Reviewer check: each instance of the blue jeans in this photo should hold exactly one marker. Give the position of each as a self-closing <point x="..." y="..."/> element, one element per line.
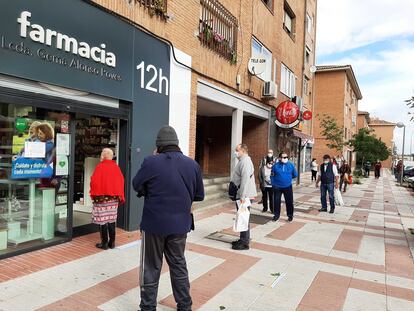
<point x="330" y="188"/>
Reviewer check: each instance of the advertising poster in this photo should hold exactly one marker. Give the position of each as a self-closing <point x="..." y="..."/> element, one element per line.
<point x="62" y="165"/>
<point x="62" y="144"/>
<point x="33" y="159"/>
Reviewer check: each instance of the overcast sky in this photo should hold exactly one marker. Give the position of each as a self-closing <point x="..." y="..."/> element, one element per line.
<point x="376" y="37"/>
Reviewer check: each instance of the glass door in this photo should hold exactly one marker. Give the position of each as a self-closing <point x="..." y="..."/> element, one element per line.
<point x="34" y="172"/>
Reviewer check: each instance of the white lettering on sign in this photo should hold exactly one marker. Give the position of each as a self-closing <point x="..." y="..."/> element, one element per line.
<point x="63" y="42"/>
<point x="163" y="85"/>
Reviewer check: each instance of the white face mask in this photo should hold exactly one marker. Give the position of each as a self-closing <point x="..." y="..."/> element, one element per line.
<point x="237" y="154"/>
<point x="285" y="160"/>
<point x="326" y="162"/>
<point x="270" y="155"/>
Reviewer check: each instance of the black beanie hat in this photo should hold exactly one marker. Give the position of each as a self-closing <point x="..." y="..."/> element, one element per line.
<point x="166" y="137"/>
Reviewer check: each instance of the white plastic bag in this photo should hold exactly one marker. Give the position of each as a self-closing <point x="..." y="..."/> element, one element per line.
<point x="241" y="223"/>
<point x="338" y="198"/>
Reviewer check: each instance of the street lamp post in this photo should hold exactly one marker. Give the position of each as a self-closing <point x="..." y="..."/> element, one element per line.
<point x="401" y="125"/>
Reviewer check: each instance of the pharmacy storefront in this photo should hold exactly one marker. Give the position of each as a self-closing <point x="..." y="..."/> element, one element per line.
<point x="73" y="80"/>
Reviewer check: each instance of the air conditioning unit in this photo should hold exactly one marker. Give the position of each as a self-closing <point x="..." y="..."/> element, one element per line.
<point x="270" y="89"/>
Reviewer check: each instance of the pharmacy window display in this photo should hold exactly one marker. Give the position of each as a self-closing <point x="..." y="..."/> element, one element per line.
<point x="34" y="169"/>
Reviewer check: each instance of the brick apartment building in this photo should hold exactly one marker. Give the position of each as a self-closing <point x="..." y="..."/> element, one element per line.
<point x="384" y="130"/>
<point x="223" y="103"/>
<point x="336" y="94"/>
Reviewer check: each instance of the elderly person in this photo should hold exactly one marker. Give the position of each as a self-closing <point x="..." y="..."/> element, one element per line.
<point x="170" y="182"/>
<point x="243" y="178"/>
<point x="329" y="179"/>
<point x="107" y="191"/>
<point x="283" y="173"/>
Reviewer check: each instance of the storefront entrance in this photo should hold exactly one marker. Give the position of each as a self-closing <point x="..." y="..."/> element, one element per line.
<point x="47" y="157"/>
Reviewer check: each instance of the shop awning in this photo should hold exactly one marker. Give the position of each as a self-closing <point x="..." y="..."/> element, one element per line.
<point x="303" y="136"/>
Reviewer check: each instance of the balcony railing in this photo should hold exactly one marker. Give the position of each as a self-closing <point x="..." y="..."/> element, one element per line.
<point x="155" y="7"/>
<point x="218" y="29"/>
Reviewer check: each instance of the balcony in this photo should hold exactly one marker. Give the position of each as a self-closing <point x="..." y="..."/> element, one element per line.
<point x="154" y="7"/>
<point x="218" y="29"/>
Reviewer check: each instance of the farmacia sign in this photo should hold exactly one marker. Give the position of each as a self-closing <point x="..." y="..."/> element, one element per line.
<point x="54" y="39"/>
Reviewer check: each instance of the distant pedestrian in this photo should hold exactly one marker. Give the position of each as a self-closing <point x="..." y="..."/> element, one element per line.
<point x="344" y="172"/>
<point x="106" y="191"/>
<point x="243" y="178"/>
<point x="266" y="186"/>
<point x="367" y="168"/>
<point x="377" y="169"/>
<point x="314" y="169"/>
<point x="339" y="160"/>
<point x="170" y="182"/>
<point x="329" y="181"/>
<point x="399" y="170"/>
<point x="283" y="173"/>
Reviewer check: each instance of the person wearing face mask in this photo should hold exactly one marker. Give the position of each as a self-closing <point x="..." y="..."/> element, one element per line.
<point x="266" y="186"/>
<point x="266" y="159"/>
<point x="329" y="179"/>
<point x="283" y="173"/>
<point x="243" y="178"/>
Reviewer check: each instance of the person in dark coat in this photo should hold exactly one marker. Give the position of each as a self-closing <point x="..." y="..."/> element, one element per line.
<point x="377" y="168"/>
<point x="170" y="182"/>
<point x="344" y="173"/>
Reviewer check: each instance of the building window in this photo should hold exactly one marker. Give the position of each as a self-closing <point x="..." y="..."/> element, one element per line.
<point x="309" y="23"/>
<point x="346" y="109"/>
<point x="258" y="50"/>
<point x="268" y="3"/>
<point x="218" y="29"/>
<point x="305" y="85"/>
<point x="289" y="20"/>
<point x="307" y="55"/>
<point x="287" y="82"/>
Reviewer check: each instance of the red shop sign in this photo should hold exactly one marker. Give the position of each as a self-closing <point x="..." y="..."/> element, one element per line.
<point x="287" y="114"/>
<point x="307" y="115"/>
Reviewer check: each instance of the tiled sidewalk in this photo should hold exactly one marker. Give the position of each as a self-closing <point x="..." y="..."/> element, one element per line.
<point x="359" y="258"/>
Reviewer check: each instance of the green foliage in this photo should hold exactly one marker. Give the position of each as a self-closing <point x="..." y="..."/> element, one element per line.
<point x="357" y="181"/>
<point x="332" y="133"/>
<point x="357" y="173"/>
<point x="410" y="104"/>
<point x="369" y="147"/>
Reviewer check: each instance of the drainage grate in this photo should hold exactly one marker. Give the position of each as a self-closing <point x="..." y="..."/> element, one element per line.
<point x="259" y="219"/>
<point x="222" y="237"/>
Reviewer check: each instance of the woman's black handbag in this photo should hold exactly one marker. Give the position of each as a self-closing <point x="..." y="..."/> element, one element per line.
<point x="233" y="189"/>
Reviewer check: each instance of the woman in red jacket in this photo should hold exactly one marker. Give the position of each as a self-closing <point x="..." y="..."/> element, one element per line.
<point x="107" y="192"/>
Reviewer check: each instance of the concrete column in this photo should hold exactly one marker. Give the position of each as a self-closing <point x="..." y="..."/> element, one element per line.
<point x="236" y="135"/>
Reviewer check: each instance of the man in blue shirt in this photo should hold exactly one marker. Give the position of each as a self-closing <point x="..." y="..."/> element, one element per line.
<point x="283" y="172"/>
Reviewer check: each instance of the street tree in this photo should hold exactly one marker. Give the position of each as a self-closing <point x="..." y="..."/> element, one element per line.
<point x="332" y="132"/>
<point x="410" y="104"/>
<point x="368" y="147"/>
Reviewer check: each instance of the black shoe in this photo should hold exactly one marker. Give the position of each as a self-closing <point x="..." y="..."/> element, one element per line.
<point x="290" y="218"/>
<point x="236" y="242"/>
<point x="275" y="218"/>
<point x="264" y="210"/>
<point x="111" y="245"/>
<point x="240" y="247"/>
<point x="331" y="211"/>
<point x="323" y="210"/>
<point x="102" y="245"/>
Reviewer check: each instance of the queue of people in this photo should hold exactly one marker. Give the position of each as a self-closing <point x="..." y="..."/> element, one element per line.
<point x="170" y="182"/>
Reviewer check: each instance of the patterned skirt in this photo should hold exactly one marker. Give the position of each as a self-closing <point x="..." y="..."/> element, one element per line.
<point x="104" y="211"/>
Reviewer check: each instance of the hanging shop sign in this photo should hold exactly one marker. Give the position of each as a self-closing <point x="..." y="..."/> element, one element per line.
<point x="307" y="115"/>
<point x="287" y="114"/>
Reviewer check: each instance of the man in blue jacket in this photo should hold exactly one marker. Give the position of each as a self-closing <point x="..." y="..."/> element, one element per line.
<point x="283" y="172"/>
<point x="170" y="182"/>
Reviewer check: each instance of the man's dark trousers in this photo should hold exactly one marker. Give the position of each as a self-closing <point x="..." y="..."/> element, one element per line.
<point x="153" y="248"/>
<point x="245" y="235"/>
<point x="268" y="199"/>
<point x="288" y="195"/>
<point x="330" y="188"/>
